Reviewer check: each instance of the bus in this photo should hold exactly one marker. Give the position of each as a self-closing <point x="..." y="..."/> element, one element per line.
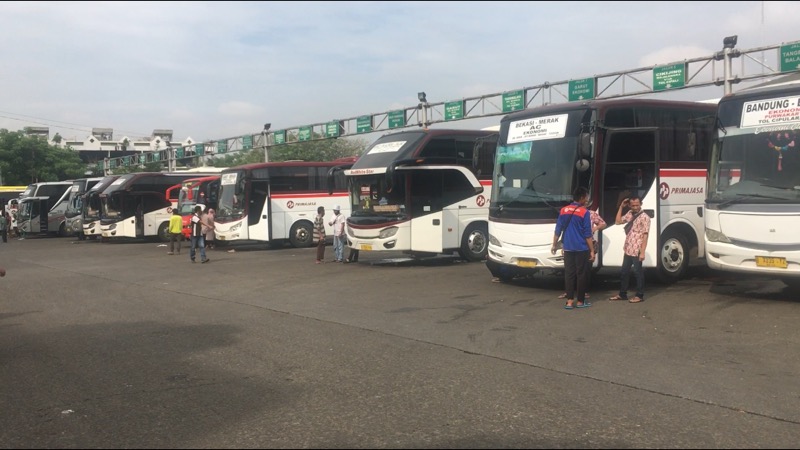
<point x="752" y="202"/>
<point x="656" y="149"/>
<point x="194" y="191"/>
<point x="44" y="211"/>
<point x="135" y="205"/>
<point x="91" y="208"/>
<point x="73" y="221"/>
<point x="423" y="192"/>
<point x="275" y="202"/>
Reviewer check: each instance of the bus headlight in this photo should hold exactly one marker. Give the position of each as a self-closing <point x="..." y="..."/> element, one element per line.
<point x="236" y="227"/>
<point x="716" y="236"/>
<point x="493" y="240"/>
<point x="113" y="226"/>
<point x="387" y="233"/>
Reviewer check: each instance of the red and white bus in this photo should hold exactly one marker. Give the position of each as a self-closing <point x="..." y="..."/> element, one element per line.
<point x="276" y="202"/>
<point x="423" y="192"/>
<point x="616" y="148"/>
<point x="194" y="191"/>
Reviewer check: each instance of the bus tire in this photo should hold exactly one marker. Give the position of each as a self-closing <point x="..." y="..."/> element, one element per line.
<point x="62" y="230"/>
<point x="475" y="242"/>
<point x="673" y="256"/>
<point x="301" y="234"/>
<point x="163" y="232"/>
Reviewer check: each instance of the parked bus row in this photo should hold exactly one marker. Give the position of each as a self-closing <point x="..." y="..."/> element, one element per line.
<point x="495" y="194"/>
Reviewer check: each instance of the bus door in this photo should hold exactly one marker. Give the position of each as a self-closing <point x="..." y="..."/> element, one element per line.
<point x="138" y="216"/>
<point x="630" y="169"/>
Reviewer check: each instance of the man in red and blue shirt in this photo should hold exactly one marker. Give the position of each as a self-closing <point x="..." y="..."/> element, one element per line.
<point x="574" y="221"/>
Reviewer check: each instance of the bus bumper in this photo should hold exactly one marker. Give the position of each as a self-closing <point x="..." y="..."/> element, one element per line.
<point x="508" y="262"/>
<point x="731" y="258"/>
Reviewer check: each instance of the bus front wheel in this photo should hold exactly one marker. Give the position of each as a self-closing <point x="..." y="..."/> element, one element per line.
<point x="301" y="234"/>
<point x="673" y="257"/>
<point x="475" y="242"/>
<point x="163" y="232"/>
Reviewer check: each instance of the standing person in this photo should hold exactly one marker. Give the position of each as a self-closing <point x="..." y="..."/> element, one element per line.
<point x="637" y="228"/>
<point x="197" y="236"/>
<point x="4" y="225"/>
<point x="175" y="231"/>
<point x="209" y="231"/>
<point x="338" y="234"/>
<point x="575" y="224"/>
<point x="319" y="234"/>
<point x="598" y="224"/>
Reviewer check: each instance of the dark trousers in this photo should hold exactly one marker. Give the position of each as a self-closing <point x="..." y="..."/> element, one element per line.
<point x="353" y="255"/>
<point x="321" y="249"/>
<point x="173" y="239"/>
<point x="4" y="232"/>
<point x="576" y="274"/>
<point x="625" y="275"/>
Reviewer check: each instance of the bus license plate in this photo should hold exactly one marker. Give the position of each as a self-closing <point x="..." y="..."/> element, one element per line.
<point x="526" y="263"/>
<point x="770" y="261"/>
<point x="221" y="237"/>
<point x="367" y="247"/>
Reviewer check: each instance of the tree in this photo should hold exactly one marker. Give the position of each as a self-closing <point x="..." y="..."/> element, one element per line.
<point x="28" y="159"/>
<point x="317" y="150"/>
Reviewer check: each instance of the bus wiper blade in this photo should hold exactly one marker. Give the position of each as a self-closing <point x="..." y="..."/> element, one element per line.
<point x="721" y="127"/>
<point x="745" y="197"/>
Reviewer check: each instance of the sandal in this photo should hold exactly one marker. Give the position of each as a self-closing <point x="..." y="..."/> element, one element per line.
<point x="583" y="305"/>
<point x="568" y="306"/>
<point x="636" y="300"/>
<point x="617" y="298"/>
<point x="564" y="295"/>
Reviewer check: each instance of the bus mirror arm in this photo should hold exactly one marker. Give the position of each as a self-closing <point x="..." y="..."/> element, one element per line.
<point x="585" y="145"/>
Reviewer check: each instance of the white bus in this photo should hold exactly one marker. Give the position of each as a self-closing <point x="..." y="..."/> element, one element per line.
<point x="44" y="211"/>
<point x="74" y="218"/>
<point x="276" y="202"/>
<point x="135" y="205"/>
<point x="753" y="198"/>
<point x="91" y="208"/>
<point x="423" y="192"/>
<point x="616" y="148"/>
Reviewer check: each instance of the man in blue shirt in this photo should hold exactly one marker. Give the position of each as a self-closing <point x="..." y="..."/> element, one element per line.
<point x="574" y="221"/>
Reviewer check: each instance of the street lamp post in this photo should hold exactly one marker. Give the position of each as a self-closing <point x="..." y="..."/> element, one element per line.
<point x="264" y="140"/>
<point x="423" y="105"/>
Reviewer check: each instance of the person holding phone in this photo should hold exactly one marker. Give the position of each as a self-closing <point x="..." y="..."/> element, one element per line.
<point x="637" y="228"/>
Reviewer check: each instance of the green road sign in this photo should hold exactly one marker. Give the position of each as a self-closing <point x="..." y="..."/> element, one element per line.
<point x="669" y="77"/>
<point x="222" y="147"/>
<point x="126" y="161"/>
<point x="156" y="156"/>
<point x="247" y="142"/>
<point x="581" y="90"/>
<point x="100" y="167"/>
<point x="790" y="57"/>
<point x="279" y="137"/>
<point x="454" y="110"/>
<point x="304" y="134"/>
<point x="179" y="152"/>
<point x="199" y="149"/>
<point x="364" y="124"/>
<point x="332" y="129"/>
<point x="513" y="101"/>
<point x="397" y="119"/>
<point x="142" y="158"/>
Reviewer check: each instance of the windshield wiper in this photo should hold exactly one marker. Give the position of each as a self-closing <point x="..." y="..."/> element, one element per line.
<point x="744" y="197"/>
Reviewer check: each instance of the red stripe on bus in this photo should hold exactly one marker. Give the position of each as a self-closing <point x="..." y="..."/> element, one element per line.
<point x="682" y="173"/>
<point x="317" y="194"/>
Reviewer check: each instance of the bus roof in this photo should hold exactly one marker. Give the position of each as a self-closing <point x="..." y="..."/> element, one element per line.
<point x="335" y="162"/>
<point x="604" y="103"/>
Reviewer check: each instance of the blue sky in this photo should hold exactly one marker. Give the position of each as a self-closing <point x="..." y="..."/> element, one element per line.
<point x="211" y="70"/>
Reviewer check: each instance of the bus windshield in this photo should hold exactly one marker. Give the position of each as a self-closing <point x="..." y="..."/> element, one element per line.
<point x="112" y="207"/>
<point x="534" y="172"/>
<point x="231" y="195"/>
<point x="370" y="197"/>
<point x="754" y="162"/>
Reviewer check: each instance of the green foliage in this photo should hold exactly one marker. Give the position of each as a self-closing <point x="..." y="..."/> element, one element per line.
<point x="155" y="166"/>
<point x="29" y="159"/>
<point x="317" y="150"/>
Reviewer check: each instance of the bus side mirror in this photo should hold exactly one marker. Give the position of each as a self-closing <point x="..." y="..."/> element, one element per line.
<point x="585" y="145"/>
<point x="582" y="165"/>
